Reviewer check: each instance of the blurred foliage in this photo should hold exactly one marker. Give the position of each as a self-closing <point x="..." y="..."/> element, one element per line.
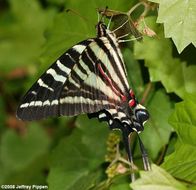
<point x="69" y="153"/>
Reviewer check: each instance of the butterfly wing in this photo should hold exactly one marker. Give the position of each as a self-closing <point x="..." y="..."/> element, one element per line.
<point x="71" y="86"/>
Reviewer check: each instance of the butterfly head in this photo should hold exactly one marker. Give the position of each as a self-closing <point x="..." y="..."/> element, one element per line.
<point x="101" y="29"/>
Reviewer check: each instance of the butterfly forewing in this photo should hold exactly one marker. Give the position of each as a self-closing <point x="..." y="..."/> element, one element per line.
<point x="74" y="84"/>
<point x="42" y="100"/>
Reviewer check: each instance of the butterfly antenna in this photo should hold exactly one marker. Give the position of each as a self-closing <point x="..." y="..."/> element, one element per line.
<point x="109" y="23"/>
<point x="126" y="141"/>
<point x="131" y="39"/>
<point x="77" y="13"/>
<point x="144" y="155"/>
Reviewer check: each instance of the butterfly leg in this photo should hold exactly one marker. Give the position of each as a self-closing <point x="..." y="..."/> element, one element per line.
<point x="131" y="39"/>
<point x="144" y="155"/>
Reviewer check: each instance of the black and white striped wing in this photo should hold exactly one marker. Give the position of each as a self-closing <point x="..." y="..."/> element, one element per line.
<point x="72" y="85"/>
<point x="42" y="98"/>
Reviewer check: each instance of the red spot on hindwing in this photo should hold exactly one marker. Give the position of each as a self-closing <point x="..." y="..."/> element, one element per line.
<point x="132" y="103"/>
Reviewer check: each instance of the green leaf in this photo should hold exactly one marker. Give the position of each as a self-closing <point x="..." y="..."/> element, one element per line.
<point x="183" y="120"/>
<point x="21" y="34"/>
<point x="77" y="157"/>
<point x="157" y="130"/>
<point x="182" y="162"/>
<point x="179" y="18"/>
<point x="156" y="179"/>
<point x="176" y="76"/>
<point x="18" y="152"/>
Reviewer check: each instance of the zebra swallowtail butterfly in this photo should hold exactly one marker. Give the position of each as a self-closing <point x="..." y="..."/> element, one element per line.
<point x="88" y="78"/>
